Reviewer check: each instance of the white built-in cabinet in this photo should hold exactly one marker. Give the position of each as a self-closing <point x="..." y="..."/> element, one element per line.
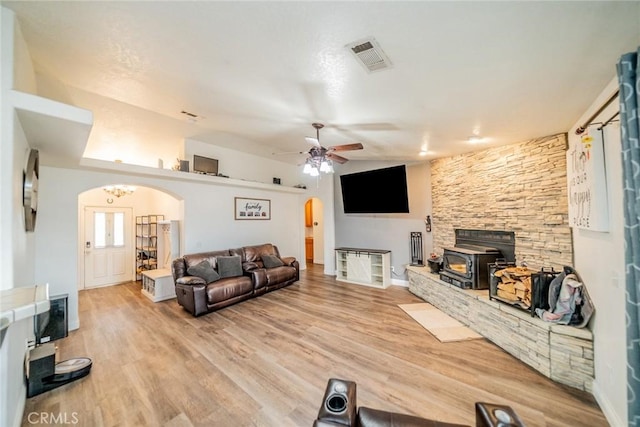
<point x="370" y="267"/>
<point x="157" y="285"/>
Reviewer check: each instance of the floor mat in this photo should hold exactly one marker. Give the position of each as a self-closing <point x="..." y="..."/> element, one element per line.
<point x="444" y="327"/>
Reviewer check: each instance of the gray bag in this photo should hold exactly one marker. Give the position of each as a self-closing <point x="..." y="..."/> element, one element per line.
<point x="583" y="309"/>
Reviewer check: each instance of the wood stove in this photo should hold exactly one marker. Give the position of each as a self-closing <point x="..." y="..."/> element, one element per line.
<point x="466" y="264"/>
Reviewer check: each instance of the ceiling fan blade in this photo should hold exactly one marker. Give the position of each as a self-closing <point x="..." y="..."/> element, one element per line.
<point x="347" y="147"/>
<point x="312" y="140"/>
<point x="336" y="158"/>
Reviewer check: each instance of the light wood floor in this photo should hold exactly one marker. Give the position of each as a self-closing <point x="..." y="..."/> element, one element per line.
<point x="266" y="361"/>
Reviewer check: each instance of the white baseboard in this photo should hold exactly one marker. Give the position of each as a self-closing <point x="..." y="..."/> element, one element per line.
<point x="610" y="414"/>
<point x="399" y="282"/>
<point x="17" y="422"/>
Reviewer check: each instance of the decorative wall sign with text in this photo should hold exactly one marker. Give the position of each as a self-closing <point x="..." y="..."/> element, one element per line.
<point x="252" y="208"/>
<point x="586" y="181"/>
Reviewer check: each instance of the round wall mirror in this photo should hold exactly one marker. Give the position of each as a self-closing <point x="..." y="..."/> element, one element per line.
<point x="30" y="190"/>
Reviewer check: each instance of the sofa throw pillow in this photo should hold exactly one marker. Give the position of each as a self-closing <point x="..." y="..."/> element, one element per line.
<point x="205" y="270"/>
<point x="229" y="266"/>
<point x="271" y="261"/>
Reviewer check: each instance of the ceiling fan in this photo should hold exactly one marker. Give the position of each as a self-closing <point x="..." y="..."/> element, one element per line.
<point x="320" y="158"/>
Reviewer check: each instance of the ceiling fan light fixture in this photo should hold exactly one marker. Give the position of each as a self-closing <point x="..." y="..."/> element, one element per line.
<point x="321" y="159"/>
<point x="325" y="166"/>
<point x="307" y="167"/>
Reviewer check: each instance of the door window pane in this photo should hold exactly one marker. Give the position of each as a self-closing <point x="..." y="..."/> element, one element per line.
<point x="100" y="229"/>
<point x="118" y="229"/>
<point x="108" y="229"/>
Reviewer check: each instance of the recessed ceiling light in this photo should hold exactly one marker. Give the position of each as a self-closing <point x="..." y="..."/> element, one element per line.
<point x="474" y="139"/>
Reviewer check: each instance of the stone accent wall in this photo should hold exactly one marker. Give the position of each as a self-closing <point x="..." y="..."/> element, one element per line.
<point x="562" y="353"/>
<point x="519" y="187"/>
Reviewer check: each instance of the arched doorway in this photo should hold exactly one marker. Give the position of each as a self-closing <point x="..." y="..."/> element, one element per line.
<point x="107" y="232"/>
<point x="314" y="231"/>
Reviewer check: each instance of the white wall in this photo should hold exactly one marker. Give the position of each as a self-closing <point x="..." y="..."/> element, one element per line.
<point x="599" y="259"/>
<point x="253" y="168"/>
<point x="16" y="246"/>
<point x="387" y="231"/>
<point x="208" y="221"/>
<point x="144" y="201"/>
<point x="23" y="243"/>
<point x="322" y="188"/>
<point x="246" y="166"/>
<point x="6" y="151"/>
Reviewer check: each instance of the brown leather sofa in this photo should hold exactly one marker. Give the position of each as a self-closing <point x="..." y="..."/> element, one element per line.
<point x="238" y="274"/>
<point x="339" y="409"/>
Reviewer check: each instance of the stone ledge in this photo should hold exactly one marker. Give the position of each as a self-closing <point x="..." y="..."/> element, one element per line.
<point x="562" y="353"/>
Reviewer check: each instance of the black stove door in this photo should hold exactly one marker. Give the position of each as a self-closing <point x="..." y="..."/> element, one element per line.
<point x="458" y="264"/>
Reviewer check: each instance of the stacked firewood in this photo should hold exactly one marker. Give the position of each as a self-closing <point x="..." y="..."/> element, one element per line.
<point x="514" y="285"/>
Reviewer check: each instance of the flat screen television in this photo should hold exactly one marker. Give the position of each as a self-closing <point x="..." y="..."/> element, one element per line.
<point x="52" y="324"/>
<point x="205" y="165"/>
<point x="376" y="191"/>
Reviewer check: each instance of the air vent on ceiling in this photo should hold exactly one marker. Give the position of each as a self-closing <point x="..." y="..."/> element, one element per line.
<point x="369" y="53"/>
<point x="191" y="117"/>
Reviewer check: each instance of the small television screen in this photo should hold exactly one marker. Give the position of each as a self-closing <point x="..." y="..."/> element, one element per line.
<point x="376" y="191"/>
<point x="52" y="324"/>
<point x="205" y="165"/>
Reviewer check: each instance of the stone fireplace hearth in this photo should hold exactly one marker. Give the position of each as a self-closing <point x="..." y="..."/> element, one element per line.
<point x="561" y="353"/>
<point x="505" y="188"/>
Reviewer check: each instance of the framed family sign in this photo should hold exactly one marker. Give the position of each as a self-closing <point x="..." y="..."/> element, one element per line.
<point x="252" y="208"/>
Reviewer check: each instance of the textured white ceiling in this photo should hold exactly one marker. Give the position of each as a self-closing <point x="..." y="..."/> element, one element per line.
<point x="259" y="73"/>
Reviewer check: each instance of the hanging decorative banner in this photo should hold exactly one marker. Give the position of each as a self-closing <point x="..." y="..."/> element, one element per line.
<point x="587" y="183"/>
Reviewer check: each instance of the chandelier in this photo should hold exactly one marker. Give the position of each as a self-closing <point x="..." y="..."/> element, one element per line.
<point x="313" y="166"/>
<point x="321" y="159"/>
<point x="119" y="190"/>
<point x="317" y="162"/>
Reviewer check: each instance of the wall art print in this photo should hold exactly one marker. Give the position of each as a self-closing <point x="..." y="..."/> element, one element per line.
<point x="586" y="181"/>
<point x="252" y="208"/>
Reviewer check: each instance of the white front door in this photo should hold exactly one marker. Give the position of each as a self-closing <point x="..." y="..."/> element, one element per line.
<point x="107" y="246"/>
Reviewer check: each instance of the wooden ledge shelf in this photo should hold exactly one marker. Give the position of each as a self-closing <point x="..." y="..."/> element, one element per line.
<point x="138" y="170"/>
<point x="21" y="303"/>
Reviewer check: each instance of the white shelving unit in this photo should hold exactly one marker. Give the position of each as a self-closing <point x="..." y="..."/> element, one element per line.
<point x="147" y="243"/>
<point x="370" y="267"/>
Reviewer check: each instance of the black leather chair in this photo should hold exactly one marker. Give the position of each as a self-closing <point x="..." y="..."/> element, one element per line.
<point x="339" y="409"/>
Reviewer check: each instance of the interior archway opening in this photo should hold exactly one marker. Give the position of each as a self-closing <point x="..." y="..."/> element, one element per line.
<point x="113" y="247"/>
<point x="314" y="231"/>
